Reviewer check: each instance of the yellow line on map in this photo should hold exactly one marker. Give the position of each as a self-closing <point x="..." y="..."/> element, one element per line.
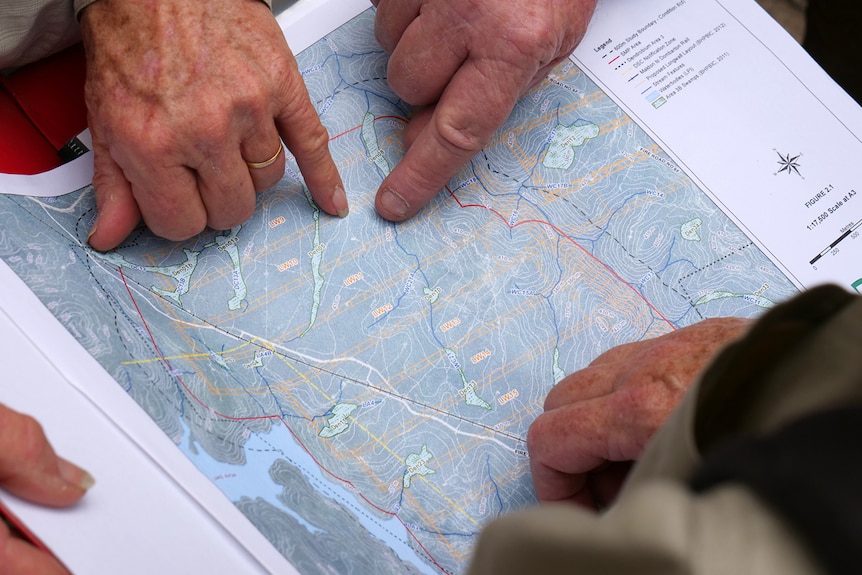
<point x="376" y="439"/>
<point x="187" y="355"/>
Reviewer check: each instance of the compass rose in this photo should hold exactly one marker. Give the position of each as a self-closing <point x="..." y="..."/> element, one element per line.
<point x="789" y="164"/>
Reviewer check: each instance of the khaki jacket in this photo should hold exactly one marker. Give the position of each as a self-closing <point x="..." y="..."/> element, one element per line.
<point x="801" y="357"/>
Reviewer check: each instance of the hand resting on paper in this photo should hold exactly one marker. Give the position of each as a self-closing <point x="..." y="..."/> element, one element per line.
<point x="598" y="420"/>
<point x="30" y="469"/>
<point x="467" y="62"/>
<point x="183" y="99"/>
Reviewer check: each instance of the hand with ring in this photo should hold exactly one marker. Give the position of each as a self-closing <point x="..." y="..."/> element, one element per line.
<point x="189" y="103"/>
<point x="265" y="163"/>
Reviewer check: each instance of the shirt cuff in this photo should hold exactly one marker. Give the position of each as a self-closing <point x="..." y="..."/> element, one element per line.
<point x="81" y="4"/>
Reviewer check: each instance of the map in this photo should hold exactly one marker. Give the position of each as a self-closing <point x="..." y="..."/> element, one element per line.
<point x="362" y="390"/>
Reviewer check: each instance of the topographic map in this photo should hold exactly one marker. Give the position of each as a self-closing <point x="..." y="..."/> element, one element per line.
<point x="362" y="390"/>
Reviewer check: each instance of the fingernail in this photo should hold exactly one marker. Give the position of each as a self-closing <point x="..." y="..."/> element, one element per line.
<point x="339" y="200"/>
<point x="393" y="204"/>
<point x="75" y="475"/>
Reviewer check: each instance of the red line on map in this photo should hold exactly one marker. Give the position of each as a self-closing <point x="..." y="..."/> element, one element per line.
<point x="344" y="133"/>
<point x="278" y="417"/>
<point x="555" y="228"/>
<point x="281" y="419"/>
<point x="168" y="364"/>
<point x="571" y="240"/>
<point x="354" y="128"/>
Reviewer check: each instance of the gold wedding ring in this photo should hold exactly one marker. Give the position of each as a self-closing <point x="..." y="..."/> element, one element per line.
<point x="265" y="163"/>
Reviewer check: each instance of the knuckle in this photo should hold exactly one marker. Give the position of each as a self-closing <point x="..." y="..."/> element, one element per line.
<point x="178" y="230"/>
<point x="639" y="398"/>
<point x="648" y="405"/>
<point x="407" y="76"/>
<point x="290" y="88"/>
<point x="150" y="147"/>
<point x="317" y="141"/>
<point x="310" y="154"/>
<point x="531" y="41"/>
<point x="251" y="97"/>
<point x="130" y="143"/>
<point x="457" y="135"/>
<point x="229" y="219"/>
<point x="537" y="39"/>
<point x="208" y="134"/>
<point x="30" y="440"/>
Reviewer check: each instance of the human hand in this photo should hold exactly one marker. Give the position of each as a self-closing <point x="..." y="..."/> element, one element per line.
<point x="470" y="61"/>
<point x="180" y="96"/>
<point x="30" y="469"/>
<point x="598" y="420"/>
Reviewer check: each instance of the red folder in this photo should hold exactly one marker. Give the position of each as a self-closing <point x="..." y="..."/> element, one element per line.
<point x="41" y="108"/>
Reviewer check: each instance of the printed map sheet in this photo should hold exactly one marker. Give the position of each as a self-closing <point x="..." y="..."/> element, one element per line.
<point x="361" y="390"/>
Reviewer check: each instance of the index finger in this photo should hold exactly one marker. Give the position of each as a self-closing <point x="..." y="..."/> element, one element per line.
<point x="477" y="101"/>
<point x="553" y="485"/>
<point x="572" y="439"/>
<point x="567" y="443"/>
<point x="308" y="141"/>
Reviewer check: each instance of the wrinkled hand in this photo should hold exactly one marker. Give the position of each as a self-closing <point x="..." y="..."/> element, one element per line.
<point x="30" y="469"/>
<point x="598" y="420"/>
<point x="470" y="60"/>
<point x="180" y="95"/>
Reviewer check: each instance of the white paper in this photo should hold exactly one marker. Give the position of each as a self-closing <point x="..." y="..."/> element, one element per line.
<point x="714" y="146"/>
<point x="61" y="180"/>
<point x="749" y="116"/>
<point x="134" y="508"/>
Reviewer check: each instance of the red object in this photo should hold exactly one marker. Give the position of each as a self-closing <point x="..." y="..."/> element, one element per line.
<point x="41" y="108"/>
<point x="18" y="529"/>
<point x="23" y="150"/>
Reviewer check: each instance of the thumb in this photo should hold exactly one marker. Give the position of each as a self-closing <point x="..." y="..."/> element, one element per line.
<point x="30" y="469"/>
<point x="118" y="212"/>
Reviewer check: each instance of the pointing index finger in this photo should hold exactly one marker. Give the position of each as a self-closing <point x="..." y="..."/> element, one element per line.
<point x="308" y="140"/>
<point x="473" y="106"/>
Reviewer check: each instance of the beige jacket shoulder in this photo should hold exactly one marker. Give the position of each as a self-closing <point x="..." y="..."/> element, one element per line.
<point x="801" y="357"/>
